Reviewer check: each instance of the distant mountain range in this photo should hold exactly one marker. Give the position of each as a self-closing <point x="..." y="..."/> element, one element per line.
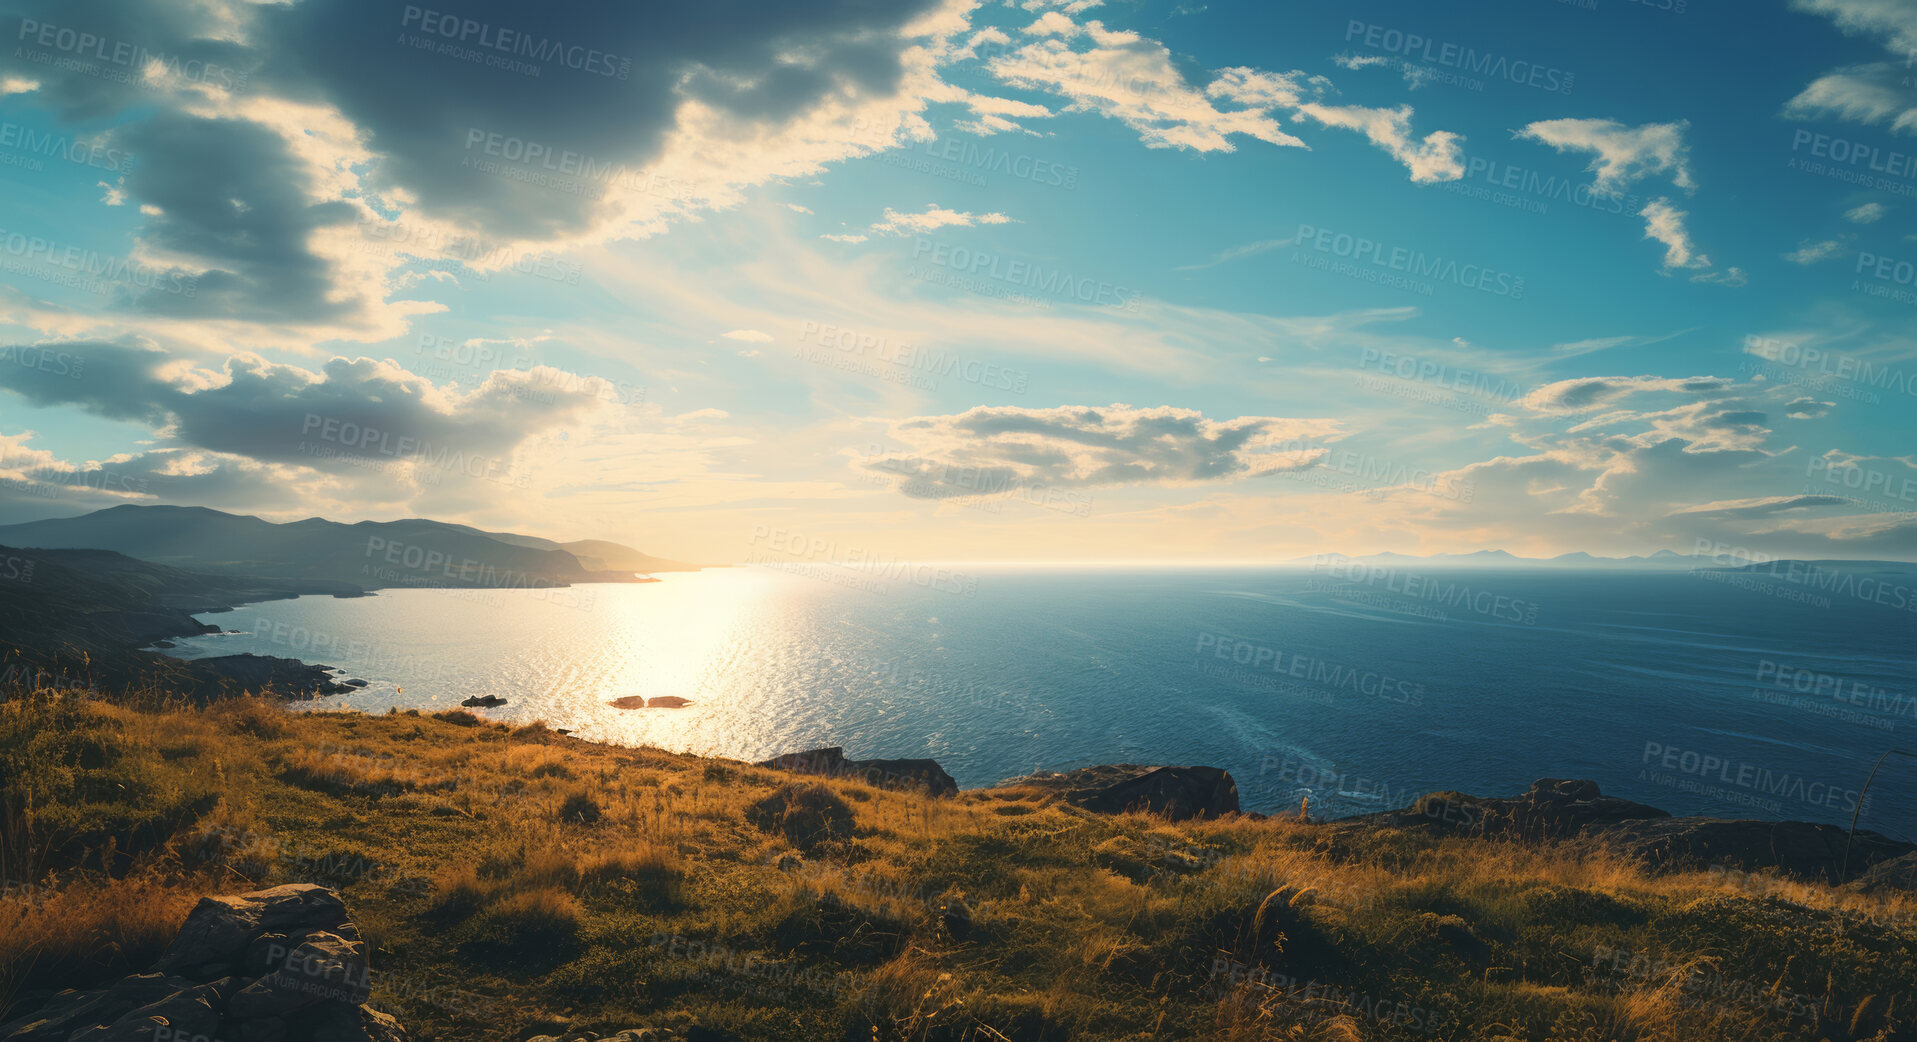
<point x="369" y="554"/>
<point x="1663" y="559"/>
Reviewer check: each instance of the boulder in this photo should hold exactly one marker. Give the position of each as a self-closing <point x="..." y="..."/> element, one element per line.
<point x="278" y="965"/>
<point x="483" y="701"/>
<point x="925" y="775"/>
<point x="218" y="932"/>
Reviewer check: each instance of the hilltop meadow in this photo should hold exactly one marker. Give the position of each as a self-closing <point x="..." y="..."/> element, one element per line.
<point x="512" y="882"/>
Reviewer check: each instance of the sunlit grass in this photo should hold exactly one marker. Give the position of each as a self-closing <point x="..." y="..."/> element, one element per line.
<point x="638" y="886"/>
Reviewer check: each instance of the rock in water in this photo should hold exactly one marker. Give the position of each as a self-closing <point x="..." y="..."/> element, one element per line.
<point x="284" y="963"/>
<point x="483" y="701"/>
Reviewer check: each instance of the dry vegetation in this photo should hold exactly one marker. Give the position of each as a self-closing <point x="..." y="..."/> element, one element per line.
<point x="510" y="875"/>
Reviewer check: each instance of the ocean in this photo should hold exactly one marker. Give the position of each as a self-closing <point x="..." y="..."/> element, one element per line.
<point x="1360" y="688"/>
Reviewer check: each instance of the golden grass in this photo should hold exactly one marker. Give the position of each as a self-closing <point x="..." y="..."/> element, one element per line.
<point x="930" y="920"/>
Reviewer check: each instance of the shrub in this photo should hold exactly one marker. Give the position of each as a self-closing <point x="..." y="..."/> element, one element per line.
<point x="807" y="814"/>
<point x="579" y="807"/>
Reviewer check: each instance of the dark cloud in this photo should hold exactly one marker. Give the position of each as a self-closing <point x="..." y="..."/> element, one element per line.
<point x="1077" y="446"/>
<point x="351" y="411"/>
<point x="1753" y="508"/>
<point x="610" y="80"/>
<point x="232" y="196"/>
<point x="1808" y="409"/>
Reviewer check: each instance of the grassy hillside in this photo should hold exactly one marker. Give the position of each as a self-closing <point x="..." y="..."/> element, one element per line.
<point x="517" y="880"/>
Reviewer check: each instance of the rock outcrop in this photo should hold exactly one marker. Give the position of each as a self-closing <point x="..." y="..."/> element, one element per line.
<point x="284" y="964"/>
<point x="1556" y="809"/>
<point x="1805" y="849"/>
<point x="1552" y="809"/>
<point x="1179" y="793"/>
<point x="925" y="775"/>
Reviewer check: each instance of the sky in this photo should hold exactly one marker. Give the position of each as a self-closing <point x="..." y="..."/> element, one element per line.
<point x="1050" y="280"/>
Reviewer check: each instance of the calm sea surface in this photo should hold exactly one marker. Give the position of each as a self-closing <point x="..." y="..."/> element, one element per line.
<point x="1361" y="690"/>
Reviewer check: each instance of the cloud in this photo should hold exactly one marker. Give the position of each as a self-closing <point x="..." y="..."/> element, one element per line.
<point x="1587" y="393"/>
<point x="1622" y="155"/>
<point x="1764" y="506"/>
<point x="1808" y="252"/>
<point x="749" y="335"/>
<point x="796" y="208"/>
<point x="336" y="418"/>
<point x="1250" y="249"/>
<point x="276" y="166"/>
<point x="1665" y="223"/>
<point x="1732" y="276"/>
<point x="932" y="218"/>
<point x="1873" y="92"/>
<point x="1415" y="75"/>
<point x="1807" y="409"/>
<point x="1437" y="157"/>
<point x="846" y="238"/>
<point x="1133" y="79"/>
<point x="1082" y="447"/>
<point x="1868" y="213"/>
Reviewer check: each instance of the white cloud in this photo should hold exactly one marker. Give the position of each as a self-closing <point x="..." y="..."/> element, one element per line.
<point x="1436" y="158"/>
<point x="1874" y="92"/>
<point x="1086" y="446"/>
<point x="846" y="238"/>
<point x="932" y="218"/>
<point x="1665" y="223"/>
<point x="796" y="208"/>
<point x="1868" y="213"/>
<point x="749" y="335"/>
<point x="1622" y="154"/>
<point x="1808" y="252"/>
<point x="1132" y="79"/>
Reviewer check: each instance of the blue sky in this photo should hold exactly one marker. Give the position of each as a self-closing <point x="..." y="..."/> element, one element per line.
<point x="1033" y="281"/>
